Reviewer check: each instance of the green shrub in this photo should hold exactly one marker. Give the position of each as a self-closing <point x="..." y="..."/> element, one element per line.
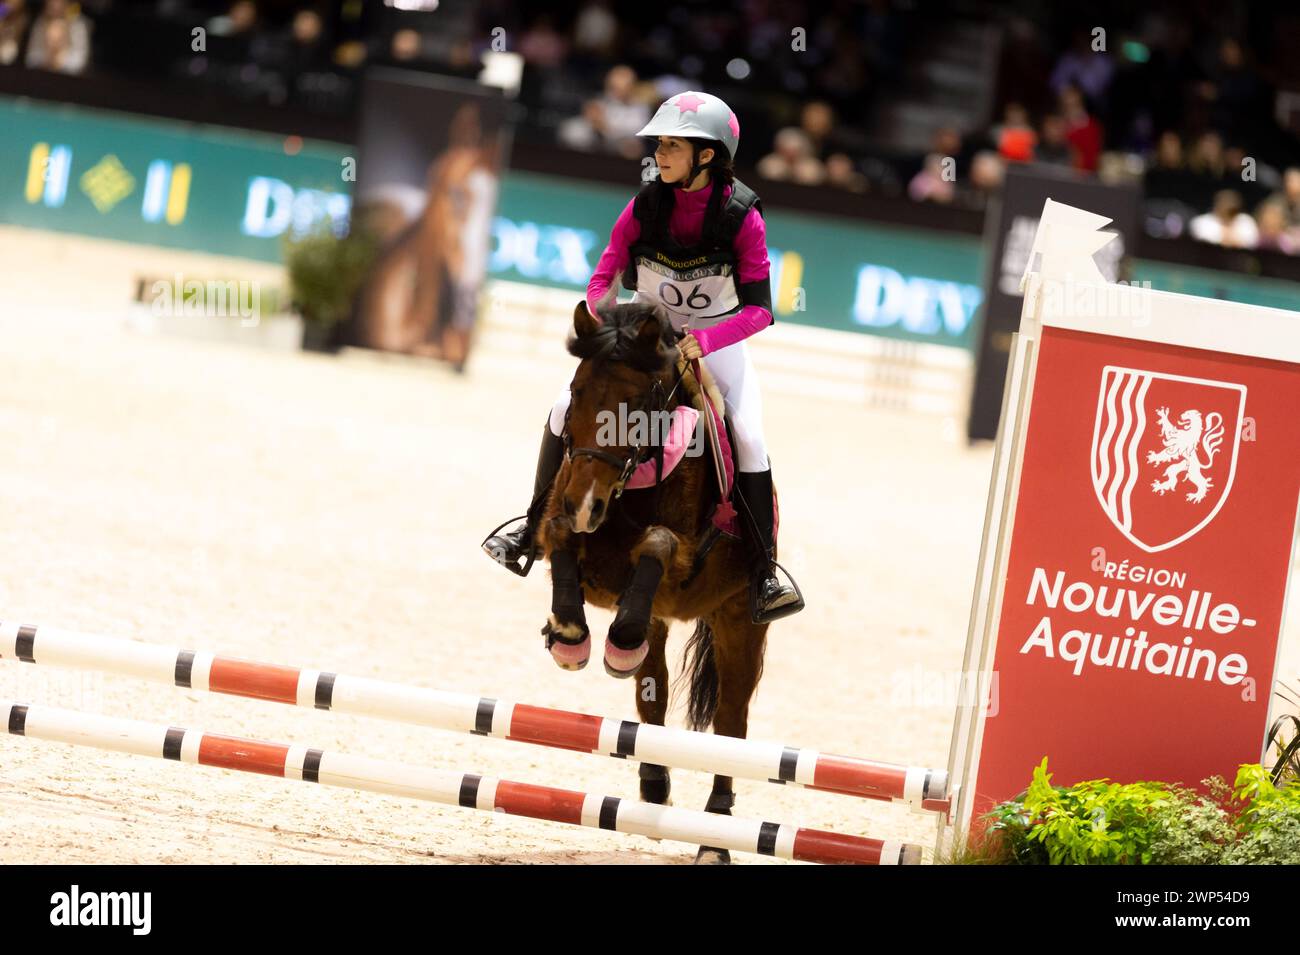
<point x="1269" y="822"/>
<point x="326" y="272"/>
<point x="1193" y="829"/>
<point x="1097" y="822"/>
<point x="1092" y="822"/>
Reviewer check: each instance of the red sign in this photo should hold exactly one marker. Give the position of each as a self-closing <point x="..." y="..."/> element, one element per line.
<point x="1145" y="582"/>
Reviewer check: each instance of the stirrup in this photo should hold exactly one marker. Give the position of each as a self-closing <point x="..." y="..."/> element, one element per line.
<point x="760" y="616"/>
<point x="497" y="555"/>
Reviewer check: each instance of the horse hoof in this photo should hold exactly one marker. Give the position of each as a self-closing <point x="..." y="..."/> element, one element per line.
<point x="570" y="658"/>
<point x="620" y="663"/>
<point x="569" y="644"/>
<point x="708" y="856"/>
<point x="656" y="792"/>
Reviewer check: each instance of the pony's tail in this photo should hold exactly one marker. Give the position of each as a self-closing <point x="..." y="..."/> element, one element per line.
<point x="703" y="668"/>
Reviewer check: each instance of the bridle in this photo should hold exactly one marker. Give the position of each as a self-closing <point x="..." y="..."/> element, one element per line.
<point x="656" y="402"/>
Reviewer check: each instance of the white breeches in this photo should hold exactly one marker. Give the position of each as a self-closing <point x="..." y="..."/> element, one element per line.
<point x="734" y="374"/>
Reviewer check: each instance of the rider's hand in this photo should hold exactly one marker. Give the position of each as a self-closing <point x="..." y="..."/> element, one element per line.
<point x="689" y="347"/>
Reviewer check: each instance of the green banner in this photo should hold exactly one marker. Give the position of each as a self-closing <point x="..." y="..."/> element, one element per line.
<point x="187" y="186"/>
<point x="211" y="189"/>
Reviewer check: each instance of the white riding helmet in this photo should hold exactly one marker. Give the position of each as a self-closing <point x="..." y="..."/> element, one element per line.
<point x="701" y="115"/>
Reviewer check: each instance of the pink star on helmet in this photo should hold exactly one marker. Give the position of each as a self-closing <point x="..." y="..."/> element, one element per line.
<point x="688" y="102"/>
<point x="733" y="123"/>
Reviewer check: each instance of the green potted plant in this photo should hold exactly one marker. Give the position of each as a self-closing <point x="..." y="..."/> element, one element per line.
<point x="325" y="273"/>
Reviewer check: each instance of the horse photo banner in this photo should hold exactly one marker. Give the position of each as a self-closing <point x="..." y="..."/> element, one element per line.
<point x="428" y="176"/>
<point x="1132" y="588"/>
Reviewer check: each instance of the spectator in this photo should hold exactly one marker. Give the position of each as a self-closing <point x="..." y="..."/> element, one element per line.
<point x="1083" y="68"/>
<point x="611" y="122"/>
<point x="351" y="55"/>
<point x="987" y="171"/>
<point x="624" y="112"/>
<point x="843" y="174"/>
<point x="792" y="159"/>
<point x="817" y="119"/>
<point x="406" y="47"/>
<point x="1206" y="160"/>
<point x="229" y="44"/>
<point x="595" y="31"/>
<point x="1015" y="138"/>
<point x="827" y="134"/>
<point x="1275" y="232"/>
<point x="291" y="50"/>
<point x="542" y="46"/>
<point x="585" y="132"/>
<point x="1247" y="175"/>
<point x="60" y="40"/>
<point x="947" y="142"/>
<point x="1290" y="195"/>
<point x="463" y="60"/>
<point x="1053" y="149"/>
<point x="14" y="20"/>
<point x="936" y="182"/>
<point x="1082" y="131"/>
<point x="307" y="49"/>
<point x="1167" y="177"/>
<point x="1235" y="94"/>
<point x="1208" y="170"/>
<point x="1226" y="224"/>
<point x="239" y="21"/>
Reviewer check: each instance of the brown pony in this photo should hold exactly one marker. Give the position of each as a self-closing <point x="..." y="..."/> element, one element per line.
<point x="640" y="551"/>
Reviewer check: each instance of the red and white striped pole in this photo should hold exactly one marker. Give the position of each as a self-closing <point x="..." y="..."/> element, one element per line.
<point x="456" y="789"/>
<point x="925" y="789"/>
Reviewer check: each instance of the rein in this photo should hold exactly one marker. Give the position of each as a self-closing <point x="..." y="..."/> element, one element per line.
<point x="657" y="402"/>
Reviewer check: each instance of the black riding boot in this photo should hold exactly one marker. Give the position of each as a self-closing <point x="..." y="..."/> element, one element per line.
<point x="509" y="548"/>
<point x="769" y="598"/>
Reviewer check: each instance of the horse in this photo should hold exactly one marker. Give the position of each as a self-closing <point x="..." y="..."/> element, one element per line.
<point x="648" y="551"/>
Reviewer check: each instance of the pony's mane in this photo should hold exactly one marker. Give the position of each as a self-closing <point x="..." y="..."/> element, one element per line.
<point x="618" y="338"/>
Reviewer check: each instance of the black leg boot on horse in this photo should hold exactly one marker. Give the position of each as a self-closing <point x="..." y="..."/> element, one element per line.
<point x="567" y="638"/>
<point x="769" y="598"/>
<point x="510" y="548"/>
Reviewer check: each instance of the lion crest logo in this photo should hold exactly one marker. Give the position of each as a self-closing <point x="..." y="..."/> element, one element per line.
<point x="1139" y="457"/>
<point x="1182" y="445"/>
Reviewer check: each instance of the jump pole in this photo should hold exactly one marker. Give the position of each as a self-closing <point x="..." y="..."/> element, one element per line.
<point x="451" y="788"/>
<point x="923" y="789"/>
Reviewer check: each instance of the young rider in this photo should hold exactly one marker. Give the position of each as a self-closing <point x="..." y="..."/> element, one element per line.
<point x="693" y="241"/>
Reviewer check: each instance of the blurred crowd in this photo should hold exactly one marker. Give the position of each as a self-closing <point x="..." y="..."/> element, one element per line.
<point x="1185" y="97"/>
<point x="1199" y="132"/>
<point x="1189" y="113"/>
<point x="56" y="37"/>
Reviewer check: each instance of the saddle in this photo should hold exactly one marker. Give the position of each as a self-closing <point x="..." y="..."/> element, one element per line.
<point x="705" y="397"/>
